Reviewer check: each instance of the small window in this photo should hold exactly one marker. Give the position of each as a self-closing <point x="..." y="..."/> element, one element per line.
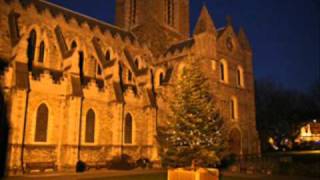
<point x="161" y="79"/>
<point x="240" y="78"/>
<point x="223" y="71"/>
<point x="152" y="80"/>
<point x="129" y="75"/>
<point x="133" y="12"/>
<point x="170" y="13"/>
<point x="108" y="55"/>
<point x="90" y="126"/>
<point x="99" y="70"/>
<point x="81" y="64"/>
<point x="41" y="52"/>
<point x="136" y="62"/>
<point x="31" y="48"/>
<point x="73" y="45"/>
<point x="128" y="129"/>
<point x="222" y="78"/>
<point x="234" y="108"/>
<point x="41" y="124"/>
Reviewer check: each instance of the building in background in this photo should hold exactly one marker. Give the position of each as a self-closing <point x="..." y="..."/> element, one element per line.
<point x="77" y="88"/>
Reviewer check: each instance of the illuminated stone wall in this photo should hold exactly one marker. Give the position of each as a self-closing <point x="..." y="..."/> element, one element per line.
<point x="56" y="82"/>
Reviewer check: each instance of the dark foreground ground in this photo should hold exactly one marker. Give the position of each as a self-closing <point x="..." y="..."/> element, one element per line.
<point x="145" y="175"/>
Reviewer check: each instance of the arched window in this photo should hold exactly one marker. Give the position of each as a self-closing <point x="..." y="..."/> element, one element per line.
<point x="161" y="79"/>
<point x="170" y="16"/>
<point x="31" y="48"/>
<point x="128" y="129"/>
<point x="41" y="52"/>
<point x="136" y="62"/>
<point x="222" y="78"/>
<point x="133" y="12"/>
<point x="223" y="71"/>
<point x="240" y="79"/>
<point x="120" y="74"/>
<point x="90" y="126"/>
<point x="99" y="69"/>
<point x="73" y="45"/>
<point x="108" y="55"/>
<point x="181" y="71"/>
<point x="152" y="80"/>
<point x="81" y="64"/>
<point x="234" y="108"/>
<point x="129" y="75"/>
<point x="41" y="124"/>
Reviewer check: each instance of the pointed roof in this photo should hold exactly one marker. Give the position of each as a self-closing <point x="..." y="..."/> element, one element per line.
<point x="243" y="39"/>
<point x="205" y="22"/>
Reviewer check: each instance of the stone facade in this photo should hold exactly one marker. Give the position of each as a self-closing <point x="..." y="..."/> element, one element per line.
<point x="73" y="64"/>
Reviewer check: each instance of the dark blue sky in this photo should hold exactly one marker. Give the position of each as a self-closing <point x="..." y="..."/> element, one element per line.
<point x="285" y="34"/>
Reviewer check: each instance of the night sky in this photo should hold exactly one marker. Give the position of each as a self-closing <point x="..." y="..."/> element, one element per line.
<point x="284" y="34"/>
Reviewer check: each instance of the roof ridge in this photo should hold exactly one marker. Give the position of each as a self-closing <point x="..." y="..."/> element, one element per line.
<point x="83" y="15"/>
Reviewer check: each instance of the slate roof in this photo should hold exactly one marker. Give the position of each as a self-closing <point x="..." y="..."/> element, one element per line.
<point x="134" y="68"/>
<point x="180" y="46"/>
<point x="55" y="10"/>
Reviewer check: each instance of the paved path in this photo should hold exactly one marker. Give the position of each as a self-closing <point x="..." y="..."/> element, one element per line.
<point x="92" y="174"/>
<point x="100" y="174"/>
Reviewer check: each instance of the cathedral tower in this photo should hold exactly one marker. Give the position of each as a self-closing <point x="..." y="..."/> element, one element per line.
<point x="171" y="13"/>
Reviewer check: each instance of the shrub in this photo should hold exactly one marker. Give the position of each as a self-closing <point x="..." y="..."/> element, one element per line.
<point x="144" y="163"/>
<point x="122" y="162"/>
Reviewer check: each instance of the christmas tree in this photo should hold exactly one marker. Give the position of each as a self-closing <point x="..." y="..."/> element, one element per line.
<point x="194" y="130"/>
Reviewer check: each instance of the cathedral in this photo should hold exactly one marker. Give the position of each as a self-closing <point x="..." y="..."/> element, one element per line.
<point x="77" y="88"/>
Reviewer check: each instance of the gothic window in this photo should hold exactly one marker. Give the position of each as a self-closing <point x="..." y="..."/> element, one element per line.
<point x="128" y="129"/>
<point x="161" y="79"/>
<point x="41" y="124"/>
<point x="41" y="52"/>
<point x="240" y="80"/>
<point x="81" y="64"/>
<point x="99" y="70"/>
<point x="133" y="11"/>
<point x="14" y="28"/>
<point x="31" y="48"/>
<point x="234" y="108"/>
<point x="129" y="75"/>
<point x="120" y="74"/>
<point x="90" y="126"/>
<point x="108" y="56"/>
<point x="136" y="62"/>
<point x="223" y="71"/>
<point x="152" y="80"/>
<point x="73" y="45"/>
<point x="170" y="16"/>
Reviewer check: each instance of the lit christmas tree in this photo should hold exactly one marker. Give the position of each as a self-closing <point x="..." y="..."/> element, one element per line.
<point x="194" y="131"/>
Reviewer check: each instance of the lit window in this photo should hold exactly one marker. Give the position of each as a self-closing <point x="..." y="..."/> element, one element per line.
<point x="234" y="108"/>
<point x="240" y="78"/>
<point x="223" y="71"/>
